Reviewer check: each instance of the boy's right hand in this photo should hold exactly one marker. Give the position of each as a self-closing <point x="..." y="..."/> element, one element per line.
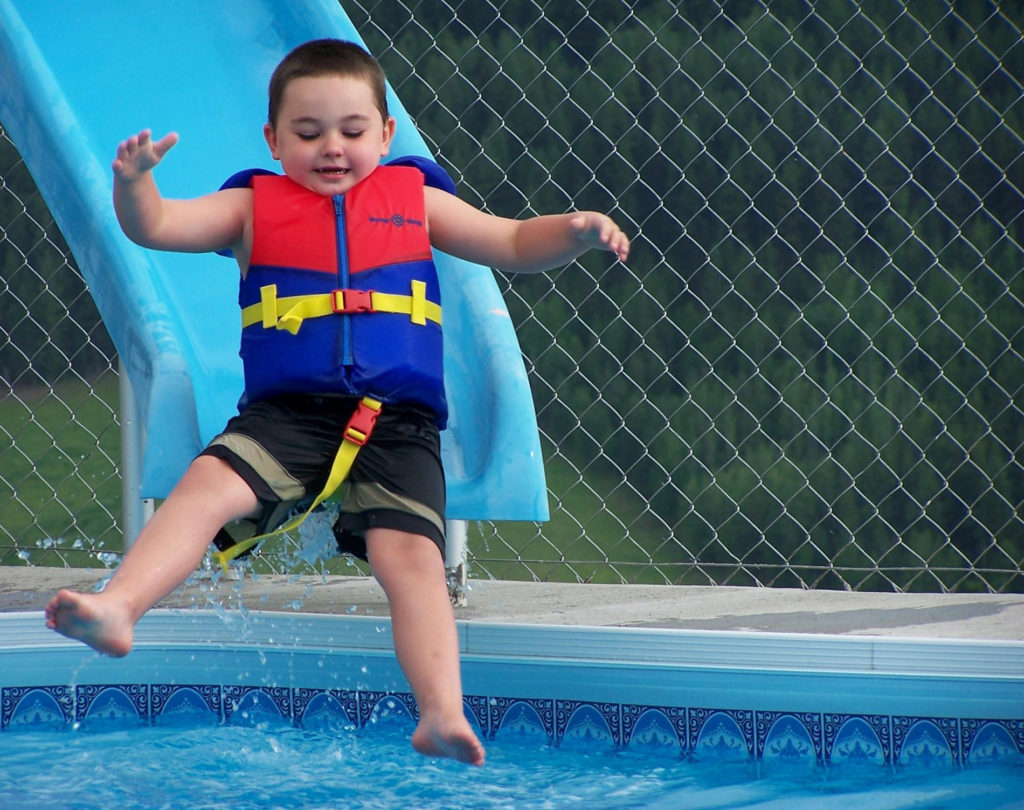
<point x="140" y="153"/>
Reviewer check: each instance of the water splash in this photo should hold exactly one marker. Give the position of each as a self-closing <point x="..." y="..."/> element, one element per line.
<point x="316" y="539"/>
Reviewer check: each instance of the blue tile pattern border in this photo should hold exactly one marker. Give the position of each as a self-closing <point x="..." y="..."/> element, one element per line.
<point x="109" y="705"/>
<point x="720" y="734"/>
<point x="857" y="739"/>
<point x="706" y="733"/>
<point x="654" y="727"/>
<point x="926" y="742"/>
<point x="170" y="703"/>
<point x="36" y="707"/>
<point x="791" y="738"/>
<point x="249" y="705"/>
<point x="522" y="717"/>
<point x="588" y="724"/>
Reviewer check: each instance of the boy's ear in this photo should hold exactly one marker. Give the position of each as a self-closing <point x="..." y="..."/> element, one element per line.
<point x="271" y="138"/>
<point x="389" y="133"/>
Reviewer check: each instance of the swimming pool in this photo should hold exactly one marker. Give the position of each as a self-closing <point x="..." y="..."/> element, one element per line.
<point x="274" y="766"/>
<point x="773" y="699"/>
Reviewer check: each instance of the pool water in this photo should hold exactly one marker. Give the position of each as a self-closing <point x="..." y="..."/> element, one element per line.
<point x="267" y="765"/>
<point x="218" y="709"/>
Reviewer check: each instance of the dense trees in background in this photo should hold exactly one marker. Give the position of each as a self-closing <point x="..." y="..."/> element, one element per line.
<point x="49" y="326"/>
<point x="813" y="358"/>
<point x="810" y="371"/>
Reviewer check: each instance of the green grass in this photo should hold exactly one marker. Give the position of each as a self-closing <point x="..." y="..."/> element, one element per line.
<point x="60" y="490"/>
<point x="60" y="504"/>
<point x="600" y="531"/>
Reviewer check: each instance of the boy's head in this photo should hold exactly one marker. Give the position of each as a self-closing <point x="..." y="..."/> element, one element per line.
<point x="326" y="57"/>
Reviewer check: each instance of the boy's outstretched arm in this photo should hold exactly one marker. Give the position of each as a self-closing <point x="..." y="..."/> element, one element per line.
<point x="518" y="246"/>
<point x="207" y="223"/>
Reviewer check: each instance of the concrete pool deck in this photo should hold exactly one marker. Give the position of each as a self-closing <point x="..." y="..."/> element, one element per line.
<point x="989" y="617"/>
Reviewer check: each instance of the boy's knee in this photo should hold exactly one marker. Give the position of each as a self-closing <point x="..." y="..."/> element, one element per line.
<point x="393" y="553"/>
<point x="214" y="480"/>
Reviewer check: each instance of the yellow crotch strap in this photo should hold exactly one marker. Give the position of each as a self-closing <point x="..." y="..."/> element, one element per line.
<point x="357" y="433"/>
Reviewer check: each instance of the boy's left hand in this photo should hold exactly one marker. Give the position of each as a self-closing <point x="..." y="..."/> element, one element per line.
<point x="600" y="231"/>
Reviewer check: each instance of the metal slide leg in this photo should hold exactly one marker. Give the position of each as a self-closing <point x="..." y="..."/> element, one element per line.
<point x="455" y="560"/>
<point x="136" y="510"/>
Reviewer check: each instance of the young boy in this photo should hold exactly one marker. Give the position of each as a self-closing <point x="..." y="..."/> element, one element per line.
<point x="329" y="127"/>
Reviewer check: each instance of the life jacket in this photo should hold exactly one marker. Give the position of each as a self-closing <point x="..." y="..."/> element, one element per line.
<point x="341" y="293"/>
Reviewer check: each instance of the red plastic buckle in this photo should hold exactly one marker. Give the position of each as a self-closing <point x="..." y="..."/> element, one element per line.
<point x="360" y="426"/>
<point x="346" y="302"/>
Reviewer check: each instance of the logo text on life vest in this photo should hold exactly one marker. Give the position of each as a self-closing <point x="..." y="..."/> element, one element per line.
<point x="397" y="220"/>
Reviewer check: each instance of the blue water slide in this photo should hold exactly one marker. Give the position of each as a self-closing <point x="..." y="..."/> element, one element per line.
<point x="78" y="77"/>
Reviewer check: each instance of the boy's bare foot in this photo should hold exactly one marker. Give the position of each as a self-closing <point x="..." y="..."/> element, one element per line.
<point x="85" y="617"/>
<point x="456" y="740"/>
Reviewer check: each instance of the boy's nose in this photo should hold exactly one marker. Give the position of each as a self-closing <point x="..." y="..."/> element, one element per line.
<point x="333" y="145"/>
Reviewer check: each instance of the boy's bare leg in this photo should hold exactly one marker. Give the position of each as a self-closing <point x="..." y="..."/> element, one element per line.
<point x="411" y="572"/>
<point x="166" y="551"/>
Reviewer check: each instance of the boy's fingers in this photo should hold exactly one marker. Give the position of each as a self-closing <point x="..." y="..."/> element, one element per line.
<point x="601" y="231"/>
<point x="623" y="248"/>
<point x="164" y="145"/>
<point x="614" y="240"/>
<point x="589" y="230"/>
<point x="141" y="151"/>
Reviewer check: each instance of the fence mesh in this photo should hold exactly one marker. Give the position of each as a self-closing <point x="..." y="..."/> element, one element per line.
<point x="808" y="374"/>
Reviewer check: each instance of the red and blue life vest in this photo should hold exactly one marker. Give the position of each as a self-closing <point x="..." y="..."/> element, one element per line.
<point x="341" y="294"/>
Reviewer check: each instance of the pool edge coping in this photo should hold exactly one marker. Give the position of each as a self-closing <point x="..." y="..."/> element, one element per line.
<point x="651" y="647"/>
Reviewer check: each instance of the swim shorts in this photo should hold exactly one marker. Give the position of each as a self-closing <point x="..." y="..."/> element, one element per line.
<point x="283" y="449"/>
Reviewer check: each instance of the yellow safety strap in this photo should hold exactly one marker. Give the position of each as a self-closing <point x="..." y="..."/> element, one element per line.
<point x="357" y="432"/>
<point x="290" y="311"/>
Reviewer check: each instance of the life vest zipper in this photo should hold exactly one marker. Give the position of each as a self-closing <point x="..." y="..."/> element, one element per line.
<point x="343" y="273"/>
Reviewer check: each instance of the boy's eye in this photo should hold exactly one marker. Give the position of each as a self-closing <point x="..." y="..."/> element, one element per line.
<point x="307" y="136"/>
<point x="353" y="133"/>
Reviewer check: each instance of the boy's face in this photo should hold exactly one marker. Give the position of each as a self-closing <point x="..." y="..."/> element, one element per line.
<point x="329" y="134"/>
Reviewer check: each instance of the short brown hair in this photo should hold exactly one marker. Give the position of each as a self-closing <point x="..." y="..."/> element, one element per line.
<point x="321" y="57"/>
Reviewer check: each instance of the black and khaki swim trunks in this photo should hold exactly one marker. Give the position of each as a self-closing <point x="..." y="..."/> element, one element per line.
<point x="283" y="449"/>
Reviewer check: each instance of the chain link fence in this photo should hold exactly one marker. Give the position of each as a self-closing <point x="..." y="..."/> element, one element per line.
<point x="808" y="375"/>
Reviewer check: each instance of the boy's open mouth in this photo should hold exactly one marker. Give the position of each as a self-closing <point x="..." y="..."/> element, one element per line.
<point x="333" y="171"/>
